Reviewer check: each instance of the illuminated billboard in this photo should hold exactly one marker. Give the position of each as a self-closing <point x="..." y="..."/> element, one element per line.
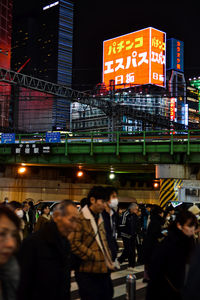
<point x="172" y="109"/>
<point x="175" y="55"/>
<point x="136" y="58"/>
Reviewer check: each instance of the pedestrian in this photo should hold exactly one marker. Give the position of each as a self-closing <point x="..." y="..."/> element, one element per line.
<point x="146" y="217"/>
<point x="16" y="207"/>
<point x="32" y="213"/>
<point x="43" y="218"/>
<point x="191" y="290"/>
<point x="168" y="266"/>
<point x="45" y="257"/>
<point x="140" y="238"/>
<point x="152" y="238"/>
<point x="110" y="218"/>
<point x="89" y="243"/>
<point x="27" y="217"/>
<point x="9" y="268"/>
<point x="129" y="231"/>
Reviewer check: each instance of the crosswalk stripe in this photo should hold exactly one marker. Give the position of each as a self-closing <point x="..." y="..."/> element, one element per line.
<point x="119" y="282"/>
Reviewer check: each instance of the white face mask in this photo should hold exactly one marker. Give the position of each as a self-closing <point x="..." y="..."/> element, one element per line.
<point x="114" y="203"/>
<point x="20" y="213"/>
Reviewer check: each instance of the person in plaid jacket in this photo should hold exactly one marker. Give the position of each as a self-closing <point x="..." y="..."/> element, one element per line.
<point x="89" y="243"/>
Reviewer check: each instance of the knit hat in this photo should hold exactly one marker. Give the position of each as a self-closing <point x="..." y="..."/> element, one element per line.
<point x="194" y="209"/>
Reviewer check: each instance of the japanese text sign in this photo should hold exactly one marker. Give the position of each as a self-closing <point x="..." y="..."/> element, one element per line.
<point x="52" y="137"/>
<point x="172" y="108"/>
<point x="8" y="138"/>
<point x="136" y="58"/>
<point x="31" y="149"/>
<point x="175" y="55"/>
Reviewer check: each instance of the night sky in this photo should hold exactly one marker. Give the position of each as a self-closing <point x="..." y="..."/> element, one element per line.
<point x="96" y="21"/>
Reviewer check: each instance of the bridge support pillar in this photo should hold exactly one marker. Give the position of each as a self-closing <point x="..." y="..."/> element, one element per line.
<point x="171" y="179"/>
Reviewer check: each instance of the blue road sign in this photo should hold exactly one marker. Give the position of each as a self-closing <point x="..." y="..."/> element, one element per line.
<point x="52" y="137"/>
<point x="8" y="138"/>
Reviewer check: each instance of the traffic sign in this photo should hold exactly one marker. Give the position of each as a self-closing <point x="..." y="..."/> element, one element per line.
<point x="52" y="137"/>
<point x="8" y="138"/>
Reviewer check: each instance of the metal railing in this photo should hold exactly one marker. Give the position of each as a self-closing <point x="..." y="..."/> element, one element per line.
<point x="118" y="138"/>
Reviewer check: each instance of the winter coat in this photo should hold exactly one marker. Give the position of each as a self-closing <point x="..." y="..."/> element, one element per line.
<point x="168" y="267"/>
<point x="192" y="287"/>
<point x="9" y="279"/>
<point x="129" y="226"/>
<point x="41" y="221"/>
<point x="151" y="240"/>
<point x="89" y="243"/>
<point x="111" y="231"/>
<point x="45" y="265"/>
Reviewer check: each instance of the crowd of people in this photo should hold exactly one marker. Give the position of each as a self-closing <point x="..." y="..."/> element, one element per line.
<point x="38" y="252"/>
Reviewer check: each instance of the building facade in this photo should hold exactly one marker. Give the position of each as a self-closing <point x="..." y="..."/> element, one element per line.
<point x="42" y="47"/>
<point x="5" y="53"/>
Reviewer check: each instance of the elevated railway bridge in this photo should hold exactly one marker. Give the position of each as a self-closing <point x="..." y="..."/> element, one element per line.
<point x="94" y="148"/>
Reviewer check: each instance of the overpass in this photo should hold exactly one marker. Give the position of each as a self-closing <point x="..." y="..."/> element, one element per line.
<point x="96" y="151"/>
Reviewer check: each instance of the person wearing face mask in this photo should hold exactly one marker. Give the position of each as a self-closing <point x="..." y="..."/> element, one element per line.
<point x="169" y="261"/>
<point x="89" y="243"/>
<point x="110" y="219"/>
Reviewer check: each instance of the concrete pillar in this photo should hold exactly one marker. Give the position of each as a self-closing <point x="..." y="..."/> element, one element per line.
<point x="173" y="171"/>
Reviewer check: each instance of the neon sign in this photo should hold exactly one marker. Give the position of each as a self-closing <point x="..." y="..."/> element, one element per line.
<point x="172" y="108"/>
<point x="50" y="5"/>
<point x="136" y="58"/>
<point x="175" y="55"/>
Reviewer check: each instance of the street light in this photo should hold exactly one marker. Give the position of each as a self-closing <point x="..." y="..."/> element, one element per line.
<point x="156" y="185"/>
<point x="21" y="170"/>
<point x="79" y="174"/>
<point x="112" y="175"/>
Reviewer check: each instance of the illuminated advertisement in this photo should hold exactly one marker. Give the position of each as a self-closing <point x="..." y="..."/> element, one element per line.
<point x="186" y="114"/>
<point x="136" y="58"/>
<point x="172" y="108"/>
<point x="175" y="55"/>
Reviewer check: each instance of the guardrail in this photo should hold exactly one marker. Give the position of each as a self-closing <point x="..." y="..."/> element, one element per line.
<point x="118" y="138"/>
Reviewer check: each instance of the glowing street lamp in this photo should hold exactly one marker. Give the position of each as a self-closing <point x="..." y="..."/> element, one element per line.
<point x="112" y="175"/>
<point x="79" y="174"/>
<point x="21" y="170"/>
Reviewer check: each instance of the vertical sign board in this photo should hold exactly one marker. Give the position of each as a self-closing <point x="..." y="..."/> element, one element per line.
<point x="175" y="55"/>
<point x="136" y="58"/>
<point x="172" y="108"/>
<point x="186" y="110"/>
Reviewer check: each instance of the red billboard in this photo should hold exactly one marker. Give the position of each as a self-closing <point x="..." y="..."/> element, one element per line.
<point x="136" y="58"/>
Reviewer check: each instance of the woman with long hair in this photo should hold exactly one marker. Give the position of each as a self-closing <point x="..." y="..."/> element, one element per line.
<point x="43" y="218"/>
<point x="9" y="268"/>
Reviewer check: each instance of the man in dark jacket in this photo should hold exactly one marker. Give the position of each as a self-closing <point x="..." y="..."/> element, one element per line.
<point x="110" y="219"/>
<point x="28" y="219"/>
<point x="45" y="257"/>
<point x="192" y="287"/>
<point x="153" y="236"/>
<point x="129" y="230"/>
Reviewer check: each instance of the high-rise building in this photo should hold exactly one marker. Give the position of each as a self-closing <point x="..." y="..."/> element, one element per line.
<point x="42" y="47"/>
<point x="5" y="51"/>
<point x="193" y="99"/>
